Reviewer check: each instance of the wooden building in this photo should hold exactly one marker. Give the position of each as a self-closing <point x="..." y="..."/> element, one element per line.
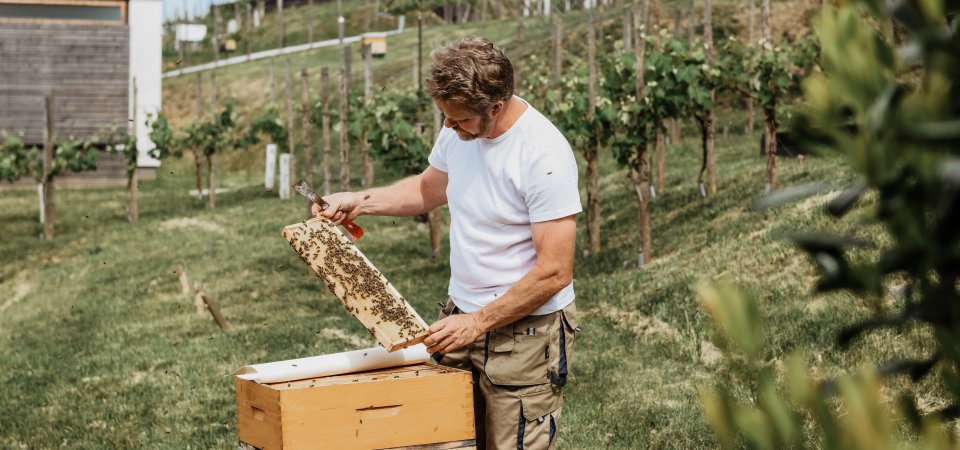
<point x="89" y="54"/>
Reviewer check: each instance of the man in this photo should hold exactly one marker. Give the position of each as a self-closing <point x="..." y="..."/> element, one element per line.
<point x="510" y="180"/>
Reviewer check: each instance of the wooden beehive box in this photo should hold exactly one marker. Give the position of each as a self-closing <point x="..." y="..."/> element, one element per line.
<point x="362" y="289"/>
<point x="415" y="405"/>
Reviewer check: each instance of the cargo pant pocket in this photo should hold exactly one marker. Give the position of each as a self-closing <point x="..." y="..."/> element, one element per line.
<point x="539" y="419"/>
<point x="516" y="359"/>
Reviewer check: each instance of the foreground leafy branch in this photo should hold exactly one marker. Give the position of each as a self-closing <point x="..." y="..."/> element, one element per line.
<point x="891" y="112"/>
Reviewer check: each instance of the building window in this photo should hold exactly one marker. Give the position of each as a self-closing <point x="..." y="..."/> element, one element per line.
<point x="63" y="12"/>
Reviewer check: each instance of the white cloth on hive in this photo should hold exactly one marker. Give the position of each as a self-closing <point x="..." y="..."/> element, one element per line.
<point x="333" y="364"/>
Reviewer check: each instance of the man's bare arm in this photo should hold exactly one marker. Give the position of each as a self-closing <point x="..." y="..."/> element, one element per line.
<point x="554" y="241"/>
<point x="408" y="197"/>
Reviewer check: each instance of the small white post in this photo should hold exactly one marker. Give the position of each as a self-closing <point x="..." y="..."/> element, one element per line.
<point x="284" y="176"/>
<point x="40" y="196"/>
<point x="271" y="171"/>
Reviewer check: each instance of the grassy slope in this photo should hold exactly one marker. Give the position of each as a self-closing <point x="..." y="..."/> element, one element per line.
<point x="259" y="83"/>
<point x="98" y="348"/>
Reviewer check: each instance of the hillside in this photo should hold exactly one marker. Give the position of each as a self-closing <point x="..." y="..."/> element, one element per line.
<point x="94" y="318"/>
<point x="98" y="349"/>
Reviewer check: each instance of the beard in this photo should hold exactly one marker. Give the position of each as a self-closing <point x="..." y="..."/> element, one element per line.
<point x="484" y="129"/>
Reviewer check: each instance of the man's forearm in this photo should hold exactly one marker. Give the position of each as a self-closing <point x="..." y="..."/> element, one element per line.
<point x="534" y="290"/>
<point x="403" y="198"/>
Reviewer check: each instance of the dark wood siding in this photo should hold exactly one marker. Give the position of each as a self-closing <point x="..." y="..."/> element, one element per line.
<point x="86" y="66"/>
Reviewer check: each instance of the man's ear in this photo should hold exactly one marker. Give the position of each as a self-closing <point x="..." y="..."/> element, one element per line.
<point x="497" y="108"/>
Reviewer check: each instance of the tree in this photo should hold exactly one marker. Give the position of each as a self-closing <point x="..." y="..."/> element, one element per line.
<point x="668" y="78"/>
<point x="703" y="78"/>
<point x="707" y="124"/>
<point x="637" y="120"/>
<point x="216" y="136"/>
<point x="772" y="81"/>
<point x="388" y="127"/>
<point x="209" y="137"/>
<point x="126" y="147"/>
<point x="892" y="115"/>
<point x="70" y="155"/>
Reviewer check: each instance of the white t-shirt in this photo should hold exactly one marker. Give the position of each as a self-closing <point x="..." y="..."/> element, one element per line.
<point x="496" y="188"/>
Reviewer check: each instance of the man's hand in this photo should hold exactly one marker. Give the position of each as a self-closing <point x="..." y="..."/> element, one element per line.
<point x="343" y="206"/>
<point x="452" y="333"/>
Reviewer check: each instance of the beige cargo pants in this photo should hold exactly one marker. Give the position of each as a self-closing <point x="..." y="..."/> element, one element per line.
<point x="519" y="371"/>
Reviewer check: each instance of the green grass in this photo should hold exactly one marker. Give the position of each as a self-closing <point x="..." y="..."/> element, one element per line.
<point x="99" y="350"/>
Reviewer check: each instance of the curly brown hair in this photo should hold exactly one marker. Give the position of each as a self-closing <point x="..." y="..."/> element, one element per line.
<point x="472" y="72"/>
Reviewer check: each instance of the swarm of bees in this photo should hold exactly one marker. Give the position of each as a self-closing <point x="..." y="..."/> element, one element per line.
<point x="355" y="282"/>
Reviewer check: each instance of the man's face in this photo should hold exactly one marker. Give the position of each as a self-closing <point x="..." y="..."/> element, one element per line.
<point x="468" y="124"/>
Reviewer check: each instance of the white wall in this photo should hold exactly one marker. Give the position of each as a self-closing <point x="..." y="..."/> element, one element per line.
<point x="145" y="18"/>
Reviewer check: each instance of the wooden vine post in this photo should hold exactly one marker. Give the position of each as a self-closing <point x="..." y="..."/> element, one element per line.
<point x="198" y="298"/>
<point x="246" y="28"/>
<point x="344" y="144"/>
<point x="216" y="37"/>
<point x="310" y="22"/>
<point x="519" y="51"/>
<point x="418" y="64"/>
<point x="325" y="100"/>
<point x="751" y="42"/>
<point x="640" y="175"/>
<point x="770" y="113"/>
<point x="659" y="144"/>
<point x="347" y="65"/>
<point x="132" y="181"/>
<point x="280" y="41"/>
<point x="708" y="120"/>
<point x="674" y="124"/>
<point x="433" y="217"/>
<point x="273" y="85"/>
<point x="307" y="128"/>
<point x="203" y="301"/>
<point x="182" y="278"/>
<point x="49" y="201"/>
<point x="216" y="62"/>
<point x="627" y="29"/>
<point x="197" y="164"/>
<point x="367" y="100"/>
<point x="289" y="107"/>
<point x="557" y="49"/>
<point x="591" y="151"/>
<point x="211" y="183"/>
<point x="211" y="170"/>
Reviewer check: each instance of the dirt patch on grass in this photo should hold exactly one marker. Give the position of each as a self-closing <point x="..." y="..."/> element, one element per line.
<point x="19" y="292"/>
<point x="709" y="353"/>
<point x="640" y="324"/>
<point x="816" y="202"/>
<point x="188" y="222"/>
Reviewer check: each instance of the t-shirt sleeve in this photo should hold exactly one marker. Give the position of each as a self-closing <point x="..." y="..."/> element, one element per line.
<point x="438" y="156"/>
<point x="550" y="188"/>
